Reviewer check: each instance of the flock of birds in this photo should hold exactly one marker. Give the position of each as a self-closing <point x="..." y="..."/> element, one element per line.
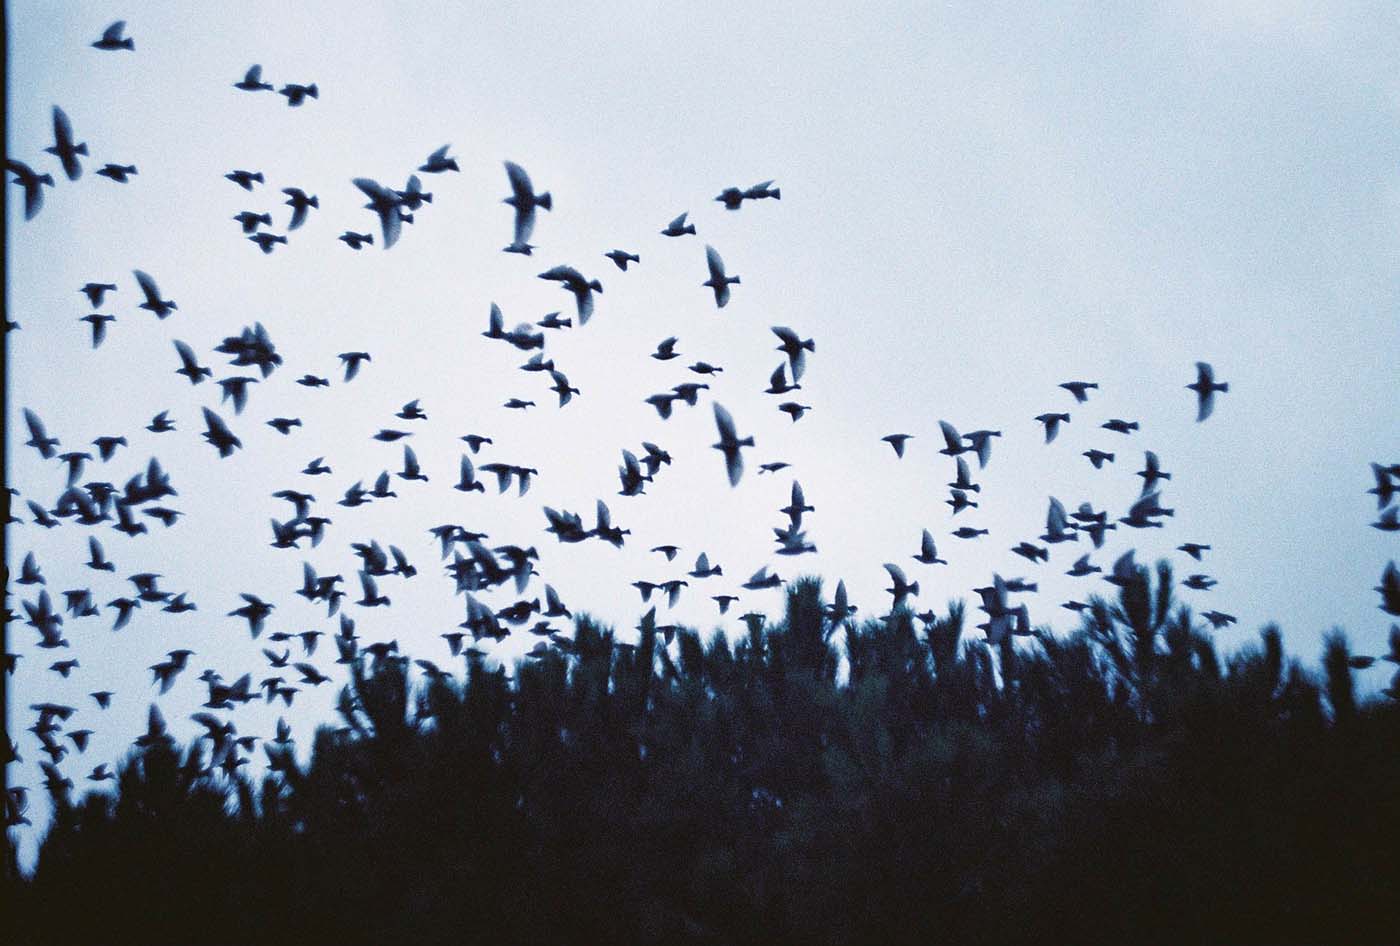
<point x="92" y="502"/>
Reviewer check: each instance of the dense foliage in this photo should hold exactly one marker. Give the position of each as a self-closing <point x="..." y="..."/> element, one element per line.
<point x="883" y="782"/>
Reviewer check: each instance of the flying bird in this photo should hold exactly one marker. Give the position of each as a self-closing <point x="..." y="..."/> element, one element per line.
<point x="252" y="80"/>
<point x="439" y="162"/>
<point x="385" y="203"/>
<point x="112" y="38"/>
<point x="678" y="227"/>
<point x="582" y="288"/>
<point x="729" y="444"/>
<point x="33" y="184"/>
<point x="718" y="281"/>
<point x="218" y="434"/>
<point x="1205" y="387"/>
<point x="154" y="303"/>
<point x="117" y="172"/>
<point x="621" y="258"/>
<point x="301" y="204"/>
<point x="297" y="94"/>
<point x="524" y="199"/>
<point x="64" y="148"/>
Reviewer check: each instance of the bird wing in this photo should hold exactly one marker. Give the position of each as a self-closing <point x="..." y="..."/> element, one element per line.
<point x="951" y="436"/>
<point x="113" y="33"/>
<point x="520" y="185"/>
<point x="725" y="424"/>
<point x="716" y="264"/>
<point x="148" y="286"/>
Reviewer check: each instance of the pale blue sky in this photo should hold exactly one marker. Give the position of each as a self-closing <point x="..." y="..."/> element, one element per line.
<point x="979" y="201"/>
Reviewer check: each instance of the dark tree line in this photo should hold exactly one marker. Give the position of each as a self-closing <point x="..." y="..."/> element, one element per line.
<point x="886" y="781"/>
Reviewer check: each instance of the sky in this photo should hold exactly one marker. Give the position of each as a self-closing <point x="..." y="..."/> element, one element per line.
<point x="979" y="201"/>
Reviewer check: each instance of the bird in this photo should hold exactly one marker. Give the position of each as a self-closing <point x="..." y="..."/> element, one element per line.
<point x="266" y="241"/>
<point x="524" y="199"/>
<point x="575" y="282"/>
<point x="33" y="184"/>
<point x="1082" y="567"/>
<point x="236" y="389"/>
<point x="730" y="443"/>
<point x="64" y="148"/>
<point x="777" y="382"/>
<point x="1120" y="426"/>
<point x="1389" y="589"/>
<point x="796" y="348"/>
<point x="678" y="227"/>
<point x="385" y="203"/>
<point x="413" y="196"/>
<point x="952" y="440"/>
<point x="928" y="552"/>
<point x="1057" y="526"/>
<point x="1193" y="549"/>
<point x="154" y="303"/>
<point x="438" y="162"/>
<point x="161" y="423"/>
<point x="1205" y="387"/>
<point x="794" y="410"/>
<point x="355" y="240"/>
<point x="352" y="361"/>
<point x="297" y="94"/>
<point x="301" y="204"/>
<point x="250" y="221"/>
<point x="1052" y="424"/>
<point x="900" y="588"/>
<point x="218" y="435"/>
<point x="621" y="258"/>
<point x="1080" y="389"/>
<point x="99" y="326"/>
<point x="117" y="172"/>
<point x="718" y="281"/>
<point x="1151" y="472"/>
<point x="666" y="349"/>
<point x="245" y="179"/>
<point x="897" y="441"/>
<point x="1098" y="457"/>
<point x="39" y="437"/>
<point x="97" y="291"/>
<point x="112" y="38"/>
<point x="252" y="80"/>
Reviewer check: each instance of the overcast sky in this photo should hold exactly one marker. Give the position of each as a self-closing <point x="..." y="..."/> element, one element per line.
<point x="979" y="201"/>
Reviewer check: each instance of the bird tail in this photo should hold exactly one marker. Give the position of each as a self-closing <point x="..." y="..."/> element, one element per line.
<point x="545" y="200"/>
<point x="426" y="198"/>
<point x="689" y="229"/>
<point x="596" y="286"/>
<point x="732" y="280"/>
<point x="1223" y="387"/>
<point x="128" y="43"/>
<point x="777" y="193"/>
<point x="81" y="149"/>
<point x="314" y="202"/>
<point x="746" y="442"/>
<point x="914" y="588"/>
<point x="312" y="91"/>
<point x="811" y="345"/>
<point x="369" y="238"/>
<point x="256" y="177"/>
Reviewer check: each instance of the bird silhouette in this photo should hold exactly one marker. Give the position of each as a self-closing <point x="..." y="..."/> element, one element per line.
<point x="729" y="444"/>
<point x="112" y="38"/>
<point x="718" y="281"/>
<point x="524" y="199"/>
<point x="64" y="148"/>
<point x="1205" y="387"/>
<point x="252" y="80"/>
<point x="33" y="184"/>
